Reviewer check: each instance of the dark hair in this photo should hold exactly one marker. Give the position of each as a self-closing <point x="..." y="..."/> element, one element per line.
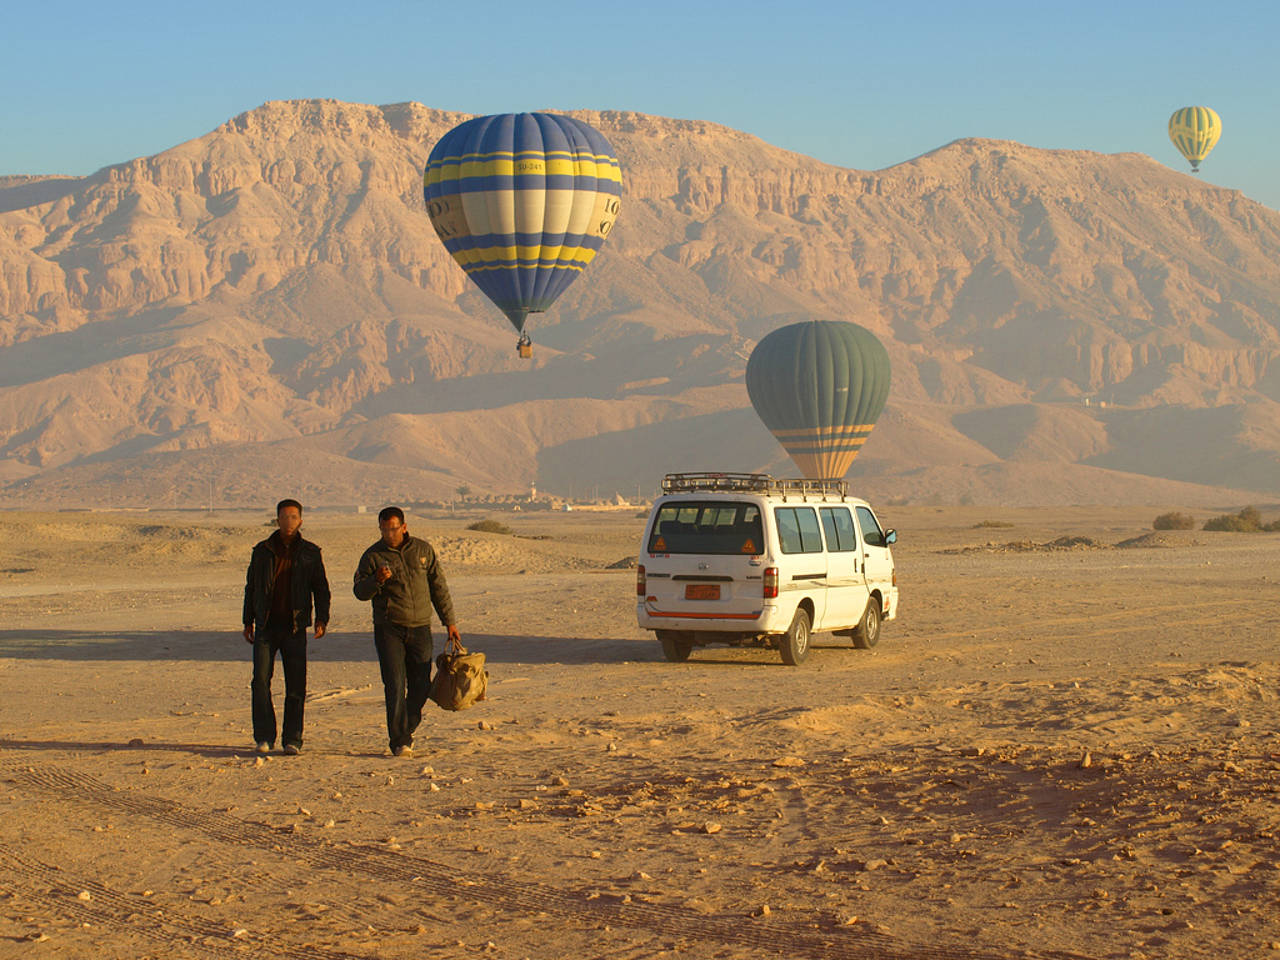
<point x="386" y="513"/>
<point x="287" y="503"/>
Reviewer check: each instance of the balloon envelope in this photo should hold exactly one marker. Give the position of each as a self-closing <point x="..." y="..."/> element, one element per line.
<point x="1194" y="131"/>
<point x="819" y="387"/>
<point x="523" y="201"/>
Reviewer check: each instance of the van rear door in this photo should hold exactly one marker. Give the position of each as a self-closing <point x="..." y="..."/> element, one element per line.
<point x="703" y="560"/>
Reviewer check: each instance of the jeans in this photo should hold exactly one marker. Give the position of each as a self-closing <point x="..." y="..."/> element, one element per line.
<point x="293" y="654"/>
<point x="404" y="656"/>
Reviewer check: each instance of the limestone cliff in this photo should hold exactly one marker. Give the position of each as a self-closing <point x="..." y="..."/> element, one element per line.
<point x="277" y="282"/>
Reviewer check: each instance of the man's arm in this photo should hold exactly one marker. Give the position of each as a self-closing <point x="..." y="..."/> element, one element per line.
<point x="320" y="591"/>
<point x="440" y="598"/>
<point x="365" y="583"/>
<point x="248" y="617"/>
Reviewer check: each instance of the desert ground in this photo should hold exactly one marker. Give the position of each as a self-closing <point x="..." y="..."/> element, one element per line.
<point x="1059" y="750"/>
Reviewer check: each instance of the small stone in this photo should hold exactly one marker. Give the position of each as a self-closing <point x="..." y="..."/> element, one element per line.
<point x="428" y="771"/>
<point x="84" y="895"/>
<point x="304" y="811"/>
<point x="38" y="938"/>
<point x="329" y="824"/>
<point x="257" y="763"/>
<point x="484" y="805"/>
<point x="527" y="804"/>
<point x="137" y="742"/>
<point x="1086" y="760"/>
<point x="789" y="762"/>
<point x="239" y="932"/>
<point x="874" y="864"/>
<point x="611" y="746"/>
<point x="595" y="854"/>
<point x="711" y="827"/>
<point x="559" y="782"/>
<point x="762" y="911"/>
<point x="434" y="787"/>
<point x="484" y="725"/>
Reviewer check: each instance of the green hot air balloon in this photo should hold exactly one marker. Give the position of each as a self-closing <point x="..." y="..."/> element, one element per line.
<point x="819" y="386"/>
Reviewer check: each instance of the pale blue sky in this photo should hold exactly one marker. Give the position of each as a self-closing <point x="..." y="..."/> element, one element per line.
<point x="861" y="85"/>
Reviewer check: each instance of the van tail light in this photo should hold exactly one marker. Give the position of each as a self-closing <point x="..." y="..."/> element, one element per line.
<point x="895" y="577"/>
<point x="770" y="583"/>
<point x="640" y="580"/>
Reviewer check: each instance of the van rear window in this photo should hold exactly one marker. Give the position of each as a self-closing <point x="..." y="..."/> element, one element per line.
<point x="716" y="527"/>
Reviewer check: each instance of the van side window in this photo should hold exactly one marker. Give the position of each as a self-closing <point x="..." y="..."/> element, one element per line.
<point x="871" y="531"/>
<point x="798" y="529"/>
<point x="838" y="526"/>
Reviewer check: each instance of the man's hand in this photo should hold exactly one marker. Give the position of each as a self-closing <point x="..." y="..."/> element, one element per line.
<point x="248" y="633"/>
<point x="455" y="638"/>
<point x="382" y="574"/>
<point x="320" y="628"/>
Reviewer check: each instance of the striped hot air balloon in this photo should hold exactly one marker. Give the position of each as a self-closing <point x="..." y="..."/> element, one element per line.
<point x="819" y="386"/>
<point x="1194" y="131"/>
<point x="523" y="201"/>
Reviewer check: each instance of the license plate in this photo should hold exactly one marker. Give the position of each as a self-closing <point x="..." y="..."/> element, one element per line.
<point x="702" y="591"/>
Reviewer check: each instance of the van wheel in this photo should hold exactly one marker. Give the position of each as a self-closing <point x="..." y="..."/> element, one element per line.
<point x="676" y="646"/>
<point x="867" y="633"/>
<point x="794" y="646"/>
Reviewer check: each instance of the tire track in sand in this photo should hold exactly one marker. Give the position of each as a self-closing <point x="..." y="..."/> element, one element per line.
<point x="496" y="891"/>
<point x="88" y="901"/>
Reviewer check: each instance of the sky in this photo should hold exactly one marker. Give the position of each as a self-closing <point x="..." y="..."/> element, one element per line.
<point x="859" y="85"/>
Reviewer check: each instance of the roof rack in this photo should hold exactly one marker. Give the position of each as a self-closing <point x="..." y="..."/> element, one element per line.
<point x="751" y="483"/>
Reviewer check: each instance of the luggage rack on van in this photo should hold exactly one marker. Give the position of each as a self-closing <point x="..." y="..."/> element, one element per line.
<point x="752" y="483"/>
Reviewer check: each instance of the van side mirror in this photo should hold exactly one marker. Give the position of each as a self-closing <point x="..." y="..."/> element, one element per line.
<point x="891" y="536"/>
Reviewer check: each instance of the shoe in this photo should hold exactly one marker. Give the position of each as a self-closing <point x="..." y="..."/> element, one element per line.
<point x="402" y="751"/>
<point x="263" y="747"/>
<point x="292" y="749"/>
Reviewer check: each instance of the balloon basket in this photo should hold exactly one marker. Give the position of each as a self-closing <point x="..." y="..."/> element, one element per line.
<point x="524" y="348"/>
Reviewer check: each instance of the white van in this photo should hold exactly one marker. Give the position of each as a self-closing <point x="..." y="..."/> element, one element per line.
<point x="742" y="558"/>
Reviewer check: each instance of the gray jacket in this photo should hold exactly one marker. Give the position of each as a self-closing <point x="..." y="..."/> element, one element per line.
<point x="417" y="584"/>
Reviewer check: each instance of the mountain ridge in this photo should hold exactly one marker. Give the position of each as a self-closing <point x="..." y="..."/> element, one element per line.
<point x="277" y="281"/>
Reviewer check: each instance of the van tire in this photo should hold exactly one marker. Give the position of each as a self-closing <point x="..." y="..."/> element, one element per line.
<point x="794" y="645"/>
<point x="676" y="646"/>
<point x="867" y="633"/>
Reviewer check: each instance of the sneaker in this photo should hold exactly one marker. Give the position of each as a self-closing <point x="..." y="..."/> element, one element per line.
<point x="402" y="752"/>
<point x="263" y="747"/>
<point x="292" y="749"/>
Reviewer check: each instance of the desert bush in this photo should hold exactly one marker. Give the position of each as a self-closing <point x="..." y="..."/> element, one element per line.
<point x="1174" y="521"/>
<point x="991" y="523"/>
<point x="490" y="526"/>
<point x="1248" y="520"/>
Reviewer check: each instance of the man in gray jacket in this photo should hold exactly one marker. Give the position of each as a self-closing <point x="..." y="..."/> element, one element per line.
<point x="402" y="577"/>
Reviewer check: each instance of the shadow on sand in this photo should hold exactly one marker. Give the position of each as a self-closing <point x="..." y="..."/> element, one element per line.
<point x="338" y="646"/>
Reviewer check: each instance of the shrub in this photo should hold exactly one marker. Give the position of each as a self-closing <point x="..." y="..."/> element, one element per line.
<point x="1174" y="521"/>
<point x="490" y="526"/>
<point x="992" y="523"/>
<point x="1248" y="520"/>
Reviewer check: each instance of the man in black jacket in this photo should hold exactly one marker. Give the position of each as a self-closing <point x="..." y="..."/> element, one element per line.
<point x="285" y="573"/>
<point x="403" y="578"/>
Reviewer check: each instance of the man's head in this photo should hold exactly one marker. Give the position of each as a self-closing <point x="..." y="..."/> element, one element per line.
<point x="391" y="523"/>
<point x="288" y="518"/>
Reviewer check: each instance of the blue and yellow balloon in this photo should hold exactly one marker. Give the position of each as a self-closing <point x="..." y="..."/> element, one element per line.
<point x="819" y="387"/>
<point x="1195" y="131"/>
<point x="523" y="202"/>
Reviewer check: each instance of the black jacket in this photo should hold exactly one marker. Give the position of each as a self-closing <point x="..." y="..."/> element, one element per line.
<point x="417" y="584"/>
<point x="308" y="580"/>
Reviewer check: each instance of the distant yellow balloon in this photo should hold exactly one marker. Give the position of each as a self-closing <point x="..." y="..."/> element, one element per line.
<point x="1194" y="131"/>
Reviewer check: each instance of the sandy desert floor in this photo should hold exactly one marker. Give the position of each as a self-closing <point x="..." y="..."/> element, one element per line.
<point x="1051" y="753"/>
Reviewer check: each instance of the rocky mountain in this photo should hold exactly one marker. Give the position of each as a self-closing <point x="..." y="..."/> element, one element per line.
<point x="266" y="309"/>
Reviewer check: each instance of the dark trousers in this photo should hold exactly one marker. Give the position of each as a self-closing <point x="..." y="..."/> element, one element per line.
<point x="404" y="655"/>
<point x="293" y="654"/>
